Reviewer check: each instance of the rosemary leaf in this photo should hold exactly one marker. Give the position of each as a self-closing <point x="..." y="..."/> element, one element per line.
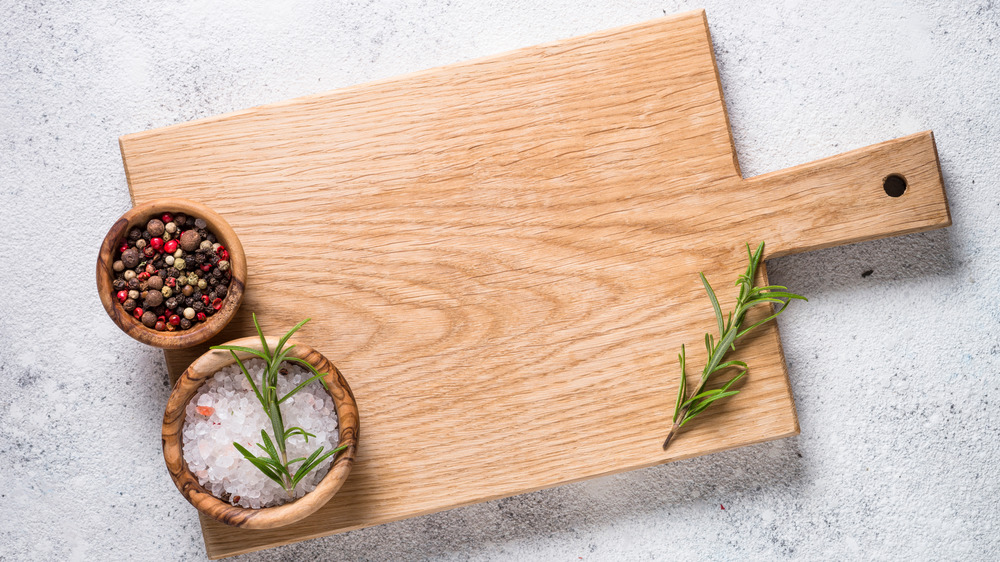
<point x="688" y="406"/>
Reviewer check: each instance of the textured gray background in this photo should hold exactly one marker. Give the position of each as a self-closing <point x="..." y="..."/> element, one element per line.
<point x="895" y="374"/>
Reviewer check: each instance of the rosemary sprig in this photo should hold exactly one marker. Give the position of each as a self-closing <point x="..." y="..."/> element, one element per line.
<point x="275" y="464"/>
<point x="730" y="329"/>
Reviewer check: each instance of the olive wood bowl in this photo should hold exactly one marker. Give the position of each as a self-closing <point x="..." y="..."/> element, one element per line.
<point x="201" y="332"/>
<point x="268" y="517"/>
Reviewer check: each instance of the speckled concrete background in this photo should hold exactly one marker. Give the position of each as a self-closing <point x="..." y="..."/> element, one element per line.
<point x="895" y="373"/>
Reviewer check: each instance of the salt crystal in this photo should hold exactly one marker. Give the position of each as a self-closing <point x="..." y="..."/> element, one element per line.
<point x="241" y="419"/>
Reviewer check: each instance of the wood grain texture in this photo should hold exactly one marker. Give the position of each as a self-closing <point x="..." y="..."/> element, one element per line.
<point x="502" y="255"/>
<point x="174" y="416"/>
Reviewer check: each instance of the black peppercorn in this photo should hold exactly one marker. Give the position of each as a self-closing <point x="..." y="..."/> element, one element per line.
<point x="134" y="234"/>
<point x="188" y="301"/>
<point x="198" y="306"/>
<point x="180" y="219"/>
<point x="130" y="258"/>
<point x="222" y="290"/>
<point x="129" y="305"/>
<point x="119" y="284"/>
<point x="200" y="224"/>
<point x="211" y="238"/>
<point x="171" y="303"/>
<point x="185" y="323"/>
<point x="147" y="236"/>
<point x="134" y="284"/>
<point x="173" y="272"/>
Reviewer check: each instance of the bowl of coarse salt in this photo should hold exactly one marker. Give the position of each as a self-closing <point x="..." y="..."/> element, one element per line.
<point x="212" y="406"/>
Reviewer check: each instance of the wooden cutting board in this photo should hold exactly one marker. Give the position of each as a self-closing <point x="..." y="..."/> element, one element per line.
<point x="502" y="257"/>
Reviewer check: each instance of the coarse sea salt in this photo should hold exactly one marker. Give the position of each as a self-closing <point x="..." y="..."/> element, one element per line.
<point x="225" y="410"/>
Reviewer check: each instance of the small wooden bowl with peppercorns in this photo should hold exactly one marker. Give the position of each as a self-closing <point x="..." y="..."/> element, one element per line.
<point x="138" y="258"/>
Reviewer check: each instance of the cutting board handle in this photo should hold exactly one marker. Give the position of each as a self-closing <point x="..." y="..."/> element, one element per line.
<point x="845" y="199"/>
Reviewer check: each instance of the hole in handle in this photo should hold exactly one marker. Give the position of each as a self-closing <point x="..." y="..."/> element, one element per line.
<point x="894" y="185"/>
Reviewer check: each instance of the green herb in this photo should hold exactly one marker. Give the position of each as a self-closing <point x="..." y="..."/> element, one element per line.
<point x="275" y="464"/>
<point x="730" y="329"/>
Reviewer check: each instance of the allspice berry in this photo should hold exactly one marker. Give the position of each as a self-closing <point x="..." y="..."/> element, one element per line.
<point x="155" y="227"/>
<point x="153" y="298"/>
<point x="155" y="282"/>
<point x="148" y="319"/>
<point x="130" y="258"/>
<point x="190" y="240"/>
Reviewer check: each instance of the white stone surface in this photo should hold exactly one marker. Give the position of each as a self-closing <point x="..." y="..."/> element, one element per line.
<point x="895" y="374"/>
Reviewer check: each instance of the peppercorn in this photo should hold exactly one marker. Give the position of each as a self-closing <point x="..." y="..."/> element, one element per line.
<point x="148" y="319"/>
<point x="119" y="284"/>
<point x="179" y="253"/>
<point x="187" y="290"/>
<point x="155" y="227"/>
<point x="174" y="320"/>
<point x="223" y="265"/>
<point x="140" y="243"/>
<point x="160" y="325"/>
<point x="170" y="227"/>
<point x="173" y="272"/>
<point x="200" y="317"/>
<point x="166" y="237"/>
<point x="134" y="234"/>
<point x="146" y="236"/>
<point x="200" y="223"/>
<point x="169" y="260"/>
<point x="155" y="283"/>
<point x="221" y="290"/>
<point x="189" y="313"/>
<point x="205" y="245"/>
<point x="118" y="266"/>
<point x="129" y="305"/>
<point x="179" y="264"/>
<point x="198" y="306"/>
<point x="202" y="284"/>
<point x="198" y="258"/>
<point x="211" y="237"/>
<point x="134" y="282"/>
<point x="190" y="240"/>
<point x="148" y="251"/>
<point x="185" y="324"/>
<point x="166" y="291"/>
<point x="133" y="294"/>
<point x="180" y="219"/>
<point x="188" y="301"/>
<point x="130" y="258"/>
<point x="153" y="299"/>
<point x="171" y="303"/>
